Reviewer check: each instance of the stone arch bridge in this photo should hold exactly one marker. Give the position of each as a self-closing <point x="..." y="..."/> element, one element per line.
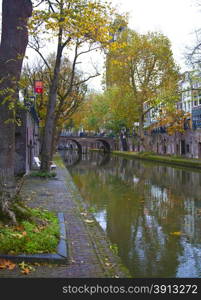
<point x="82" y="144"/>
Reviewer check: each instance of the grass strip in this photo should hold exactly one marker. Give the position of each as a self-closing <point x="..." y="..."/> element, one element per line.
<point x="174" y="160"/>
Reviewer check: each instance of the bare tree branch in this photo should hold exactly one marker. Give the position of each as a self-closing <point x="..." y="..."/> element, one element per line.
<point x="86" y="79"/>
<point x="36" y="47"/>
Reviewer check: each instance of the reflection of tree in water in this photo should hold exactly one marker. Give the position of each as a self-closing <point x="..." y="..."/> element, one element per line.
<point x="153" y="252"/>
<point x="144" y="244"/>
<point x="144" y="204"/>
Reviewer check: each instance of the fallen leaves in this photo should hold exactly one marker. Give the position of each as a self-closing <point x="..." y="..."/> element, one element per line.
<point x="7" y="264"/>
<point x="19" y="235"/>
<point x="26" y="268"/>
<point x="25" y="271"/>
<point x="19" y="228"/>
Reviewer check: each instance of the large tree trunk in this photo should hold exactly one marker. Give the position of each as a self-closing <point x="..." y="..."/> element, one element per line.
<point x="14" y="40"/>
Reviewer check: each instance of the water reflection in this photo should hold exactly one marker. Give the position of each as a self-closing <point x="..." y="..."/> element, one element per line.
<point x="151" y="211"/>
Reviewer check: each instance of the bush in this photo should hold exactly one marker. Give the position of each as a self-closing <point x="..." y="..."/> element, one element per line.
<point x="43" y="174"/>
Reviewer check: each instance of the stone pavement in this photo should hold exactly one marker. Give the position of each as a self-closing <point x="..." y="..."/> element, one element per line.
<point x="89" y="250"/>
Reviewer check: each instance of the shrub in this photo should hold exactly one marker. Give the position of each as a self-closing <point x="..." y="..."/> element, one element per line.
<point x="43" y="174"/>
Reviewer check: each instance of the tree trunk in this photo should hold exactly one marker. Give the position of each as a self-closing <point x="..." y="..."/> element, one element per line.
<point x="144" y="143"/>
<point x="48" y="140"/>
<point x="14" y="39"/>
<point x="56" y="134"/>
<point x="141" y="132"/>
<point x="46" y="154"/>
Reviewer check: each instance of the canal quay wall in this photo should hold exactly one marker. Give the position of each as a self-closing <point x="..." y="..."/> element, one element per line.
<point x="187" y="144"/>
<point x="90" y="252"/>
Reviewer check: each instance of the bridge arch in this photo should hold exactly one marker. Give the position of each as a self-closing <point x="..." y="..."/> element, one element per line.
<point x="82" y="142"/>
<point x="71" y="158"/>
<point x="77" y="144"/>
<point x="106" y="145"/>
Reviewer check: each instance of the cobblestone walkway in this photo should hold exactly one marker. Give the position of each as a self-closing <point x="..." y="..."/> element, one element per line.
<point x="89" y="250"/>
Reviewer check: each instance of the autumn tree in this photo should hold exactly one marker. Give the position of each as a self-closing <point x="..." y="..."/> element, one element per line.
<point x="145" y="68"/>
<point x="109" y="111"/>
<point x="70" y="93"/>
<point x="173" y="120"/>
<point x="66" y="22"/>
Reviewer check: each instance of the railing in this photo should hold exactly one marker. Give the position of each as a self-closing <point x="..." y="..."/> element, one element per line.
<point x="87" y="136"/>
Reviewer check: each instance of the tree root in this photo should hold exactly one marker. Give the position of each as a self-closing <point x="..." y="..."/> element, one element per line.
<point x="12" y="209"/>
<point x="7" y="211"/>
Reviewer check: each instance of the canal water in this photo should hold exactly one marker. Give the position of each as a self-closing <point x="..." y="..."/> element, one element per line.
<point x="150" y="212"/>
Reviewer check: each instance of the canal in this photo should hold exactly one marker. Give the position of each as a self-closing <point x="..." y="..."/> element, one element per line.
<point x="150" y="212"/>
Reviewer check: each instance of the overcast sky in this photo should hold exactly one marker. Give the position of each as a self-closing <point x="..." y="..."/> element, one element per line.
<point x="177" y="19"/>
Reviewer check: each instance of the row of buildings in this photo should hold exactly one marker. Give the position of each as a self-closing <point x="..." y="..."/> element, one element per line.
<point x="190" y="100"/>
<point x="188" y="143"/>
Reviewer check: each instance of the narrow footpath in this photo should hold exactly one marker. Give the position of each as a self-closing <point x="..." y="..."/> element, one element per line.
<point x="90" y="252"/>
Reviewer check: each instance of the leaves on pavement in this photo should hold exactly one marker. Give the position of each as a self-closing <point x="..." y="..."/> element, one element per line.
<point x="7" y="264"/>
<point x="26" y="268"/>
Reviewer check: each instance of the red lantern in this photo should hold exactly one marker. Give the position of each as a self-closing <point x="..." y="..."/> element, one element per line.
<point x="38" y="87"/>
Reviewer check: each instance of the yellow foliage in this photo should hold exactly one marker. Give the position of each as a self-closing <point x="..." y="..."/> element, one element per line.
<point x="174" y="120"/>
<point x="81" y="19"/>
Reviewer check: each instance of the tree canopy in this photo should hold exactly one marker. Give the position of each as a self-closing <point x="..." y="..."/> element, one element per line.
<point x="141" y="76"/>
<point x="68" y="24"/>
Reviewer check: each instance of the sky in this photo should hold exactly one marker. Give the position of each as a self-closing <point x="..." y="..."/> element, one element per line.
<point x="177" y="19"/>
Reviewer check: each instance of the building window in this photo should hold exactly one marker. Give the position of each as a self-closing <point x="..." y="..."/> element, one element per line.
<point x="195" y="103"/>
<point x="188" y="148"/>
